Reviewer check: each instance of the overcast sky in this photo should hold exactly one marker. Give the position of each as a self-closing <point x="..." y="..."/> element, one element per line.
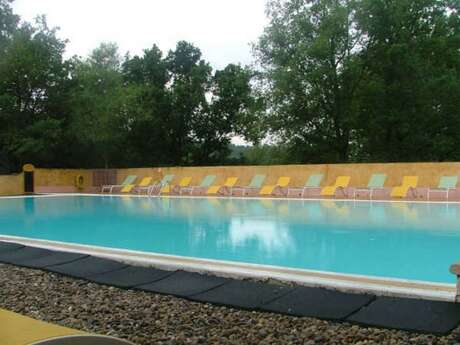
<point x="222" y="29"/>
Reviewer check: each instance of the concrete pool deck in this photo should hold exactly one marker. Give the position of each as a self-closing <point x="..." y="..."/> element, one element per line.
<point x="366" y="309"/>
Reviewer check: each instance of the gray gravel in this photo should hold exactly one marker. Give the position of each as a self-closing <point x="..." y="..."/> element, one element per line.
<point x="146" y="318"/>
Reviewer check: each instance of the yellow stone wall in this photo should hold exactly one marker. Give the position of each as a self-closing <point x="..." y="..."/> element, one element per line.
<point x="11" y="184"/>
<point x="429" y="173"/>
<point x="64" y="179"/>
<point x="156" y="173"/>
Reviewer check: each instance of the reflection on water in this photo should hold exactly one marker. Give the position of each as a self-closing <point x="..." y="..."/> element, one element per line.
<point x="401" y="240"/>
<point x="269" y="236"/>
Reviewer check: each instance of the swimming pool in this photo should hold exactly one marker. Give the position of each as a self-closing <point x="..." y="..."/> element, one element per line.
<point x="414" y="241"/>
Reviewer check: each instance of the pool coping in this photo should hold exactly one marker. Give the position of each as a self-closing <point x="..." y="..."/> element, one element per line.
<point x="379" y="286"/>
<point x="282" y="198"/>
<point x="118" y="195"/>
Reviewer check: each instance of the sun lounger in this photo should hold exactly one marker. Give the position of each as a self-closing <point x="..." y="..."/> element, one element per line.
<point x="184" y="182"/>
<point x="157" y="187"/>
<point x="17" y="329"/>
<point x="313" y="182"/>
<point x="446" y="184"/>
<point x="340" y="184"/>
<point x="145" y="183"/>
<point x="409" y="183"/>
<point x="225" y="188"/>
<point x="280" y="185"/>
<point x="205" y="184"/>
<point x="256" y="183"/>
<point x="128" y="180"/>
<point x="376" y="182"/>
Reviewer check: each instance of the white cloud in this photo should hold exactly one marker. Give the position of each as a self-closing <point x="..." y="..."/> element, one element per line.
<point x="222" y="29"/>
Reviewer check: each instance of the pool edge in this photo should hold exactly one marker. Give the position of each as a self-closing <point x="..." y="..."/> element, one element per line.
<point x="117" y="195"/>
<point x="338" y="281"/>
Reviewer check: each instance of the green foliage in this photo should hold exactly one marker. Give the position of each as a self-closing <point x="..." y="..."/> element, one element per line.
<point x="103" y="111"/>
<point x="410" y="104"/>
<point x="363" y="80"/>
<point x="311" y="74"/>
<point x="97" y="104"/>
<point x="179" y="112"/>
<point x="33" y="95"/>
<point x="235" y="104"/>
<point x="8" y="23"/>
<point x="263" y="155"/>
<point x="336" y="81"/>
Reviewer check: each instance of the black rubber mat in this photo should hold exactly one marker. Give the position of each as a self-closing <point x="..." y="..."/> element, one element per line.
<point x="386" y="312"/>
<point x="6" y="246"/>
<point x="410" y="314"/>
<point x="26" y="253"/>
<point x="242" y="294"/>
<point x="130" y="276"/>
<point x="316" y="302"/>
<point x="55" y="258"/>
<point x="184" y="284"/>
<point x="87" y="267"/>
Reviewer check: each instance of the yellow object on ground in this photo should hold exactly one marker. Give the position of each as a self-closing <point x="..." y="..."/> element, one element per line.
<point x="166" y="189"/>
<point x="16" y="329"/>
<point x="146" y="181"/>
<point x="229" y="183"/>
<point x="340" y="182"/>
<point x="184" y="182"/>
<point x="408" y="183"/>
<point x="281" y="183"/>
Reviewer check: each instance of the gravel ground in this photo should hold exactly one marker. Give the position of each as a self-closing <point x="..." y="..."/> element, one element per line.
<point x="146" y="318"/>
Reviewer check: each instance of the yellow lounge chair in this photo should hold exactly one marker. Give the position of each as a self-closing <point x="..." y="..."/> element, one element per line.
<point x="409" y="183"/>
<point x="341" y="183"/>
<point x="254" y="185"/>
<point x="282" y="182"/>
<point x="155" y="189"/>
<point x="184" y="182"/>
<point x="128" y="180"/>
<point x="229" y="184"/>
<point x="17" y="329"/>
<point x="145" y="183"/>
<point x="205" y="184"/>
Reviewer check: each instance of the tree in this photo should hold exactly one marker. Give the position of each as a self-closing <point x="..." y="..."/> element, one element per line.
<point x="8" y="23"/>
<point x="149" y="69"/>
<point x="97" y="107"/>
<point x="235" y="102"/>
<point x="233" y="110"/>
<point x="105" y="57"/>
<point x="410" y="104"/>
<point x="148" y="108"/>
<point x="179" y="112"/>
<point x="311" y="72"/>
<point x="190" y="82"/>
<point x="33" y="94"/>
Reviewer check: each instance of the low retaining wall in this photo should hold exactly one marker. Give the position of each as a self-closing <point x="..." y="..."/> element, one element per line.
<point x="63" y="180"/>
<point x="11" y="184"/>
<point x="429" y="173"/>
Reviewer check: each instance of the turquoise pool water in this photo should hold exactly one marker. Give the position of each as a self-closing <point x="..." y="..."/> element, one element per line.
<point x="399" y="240"/>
